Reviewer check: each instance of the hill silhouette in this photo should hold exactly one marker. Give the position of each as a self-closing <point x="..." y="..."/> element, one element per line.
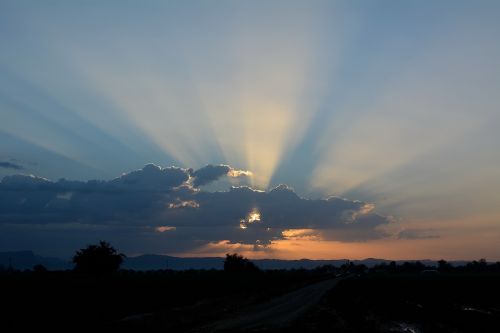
<point x="22" y="260"/>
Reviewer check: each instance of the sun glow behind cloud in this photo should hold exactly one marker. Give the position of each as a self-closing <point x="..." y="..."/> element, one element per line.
<point x="252" y="217"/>
<point x="453" y="244"/>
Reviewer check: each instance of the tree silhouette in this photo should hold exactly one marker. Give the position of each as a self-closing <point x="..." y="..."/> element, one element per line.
<point x="98" y="259"/>
<point x="39" y="269"/>
<point x="444" y="266"/>
<point x="237" y="263"/>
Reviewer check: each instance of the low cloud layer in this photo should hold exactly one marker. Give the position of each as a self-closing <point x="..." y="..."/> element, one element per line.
<point x="164" y="210"/>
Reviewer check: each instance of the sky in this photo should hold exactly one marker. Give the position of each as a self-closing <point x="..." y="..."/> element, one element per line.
<point x="275" y="129"/>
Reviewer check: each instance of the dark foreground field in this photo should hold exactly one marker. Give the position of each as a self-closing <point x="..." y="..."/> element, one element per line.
<point x="453" y="302"/>
<point x="205" y="301"/>
<point x="144" y="301"/>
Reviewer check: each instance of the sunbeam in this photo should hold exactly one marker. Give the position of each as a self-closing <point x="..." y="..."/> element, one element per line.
<point x="266" y="112"/>
<point x="434" y="103"/>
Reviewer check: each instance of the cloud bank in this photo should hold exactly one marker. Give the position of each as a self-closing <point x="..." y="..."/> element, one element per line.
<point x="164" y="210"/>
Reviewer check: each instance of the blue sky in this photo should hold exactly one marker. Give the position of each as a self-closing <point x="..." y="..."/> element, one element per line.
<point x="393" y="103"/>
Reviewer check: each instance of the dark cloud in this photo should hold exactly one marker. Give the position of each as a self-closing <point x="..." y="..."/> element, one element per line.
<point x="165" y="204"/>
<point x="22" y="182"/>
<point x="209" y="173"/>
<point x="10" y="165"/>
<point x="133" y="196"/>
<point x="151" y="178"/>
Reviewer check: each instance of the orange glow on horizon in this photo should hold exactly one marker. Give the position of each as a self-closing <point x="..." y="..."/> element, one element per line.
<point x="303" y="243"/>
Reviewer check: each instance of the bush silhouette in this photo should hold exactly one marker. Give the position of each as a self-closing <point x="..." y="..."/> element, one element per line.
<point x="98" y="259"/>
<point x="237" y="263"/>
<point x="444" y="266"/>
<point x="39" y="269"/>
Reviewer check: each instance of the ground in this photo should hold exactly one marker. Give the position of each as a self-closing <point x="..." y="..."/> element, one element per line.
<point x="272" y="301"/>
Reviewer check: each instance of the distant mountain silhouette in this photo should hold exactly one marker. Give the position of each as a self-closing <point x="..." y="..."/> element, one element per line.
<point x="154" y="261"/>
<point x="22" y="260"/>
<point x="149" y="261"/>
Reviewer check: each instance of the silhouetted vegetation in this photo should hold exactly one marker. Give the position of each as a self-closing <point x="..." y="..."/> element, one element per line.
<point x="409" y="302"/>
<point x="39" y="269"/>
<point x="171" y="300"/>
<point x="237" y="263"/>
<point x="428" y="298"/>
<point x="98" y="259"/>
<point x="410" y="297"/>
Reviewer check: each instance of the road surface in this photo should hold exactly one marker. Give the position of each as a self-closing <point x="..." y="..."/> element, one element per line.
<point x="277" y="312"/>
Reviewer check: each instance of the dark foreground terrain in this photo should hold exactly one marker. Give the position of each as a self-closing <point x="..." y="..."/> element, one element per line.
<point x="144" y="301"/>
<point x="448" y="302"/>
<point x="361" y="300"/>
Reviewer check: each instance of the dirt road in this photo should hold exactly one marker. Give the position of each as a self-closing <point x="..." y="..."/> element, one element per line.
<point x="277" y="312"/>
